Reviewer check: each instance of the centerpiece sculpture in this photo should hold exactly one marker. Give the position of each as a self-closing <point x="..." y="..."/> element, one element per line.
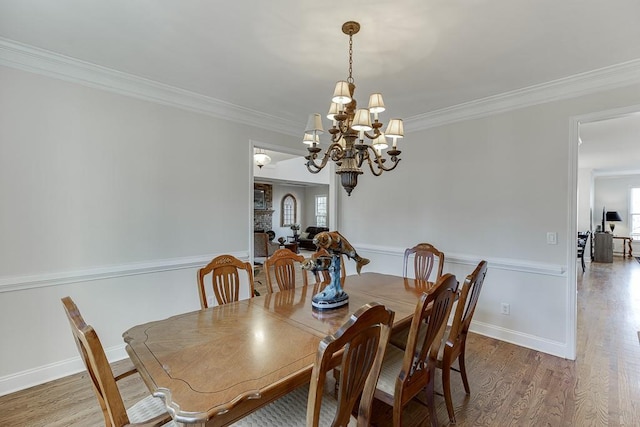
<point x="332" y="296"/>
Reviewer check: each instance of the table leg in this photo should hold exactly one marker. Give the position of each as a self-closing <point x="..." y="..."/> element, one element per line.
<point x="630" y="248"/>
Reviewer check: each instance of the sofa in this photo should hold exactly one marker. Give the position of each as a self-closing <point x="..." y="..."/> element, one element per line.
<point x="305" y="240"/>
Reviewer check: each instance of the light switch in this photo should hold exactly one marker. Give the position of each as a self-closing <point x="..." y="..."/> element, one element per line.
<point x="552" y="238"/>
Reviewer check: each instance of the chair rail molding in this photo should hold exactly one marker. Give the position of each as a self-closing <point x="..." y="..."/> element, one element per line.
<point x="522" y="266"/>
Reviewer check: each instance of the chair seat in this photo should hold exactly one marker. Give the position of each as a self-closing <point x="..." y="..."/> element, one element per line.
<point x="391" y="366"/>
<point x="146" y="409"/>
<point x="291" y="411"/>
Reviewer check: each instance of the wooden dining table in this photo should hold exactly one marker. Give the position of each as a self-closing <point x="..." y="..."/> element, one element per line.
<point x="214" y="366"/>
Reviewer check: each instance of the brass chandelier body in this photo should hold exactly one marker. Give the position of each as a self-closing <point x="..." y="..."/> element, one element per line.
<point x="351" y="126"/>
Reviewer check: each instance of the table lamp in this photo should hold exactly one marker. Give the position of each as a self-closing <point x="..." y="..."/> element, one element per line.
<point x="613" y="216"/>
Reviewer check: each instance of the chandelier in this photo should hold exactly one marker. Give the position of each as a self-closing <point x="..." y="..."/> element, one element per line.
<point x="261" y="158"/>
<point x="351" y="125"/>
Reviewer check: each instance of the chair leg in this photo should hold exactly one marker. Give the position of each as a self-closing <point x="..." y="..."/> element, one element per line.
<point x="446" y="386"/>
<point x="429" y="389"/>
<point x="463" y="369"/>
<point x="397" y="412"/>
<point x="582" y="257"/>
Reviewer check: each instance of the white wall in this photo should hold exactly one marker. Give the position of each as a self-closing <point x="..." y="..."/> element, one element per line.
<point x="113" y="201"/>
<point x="488" y="188"/>
<point x="585" y="195"/>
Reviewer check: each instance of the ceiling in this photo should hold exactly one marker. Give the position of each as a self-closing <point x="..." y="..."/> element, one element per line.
<point x="283" y="57"/>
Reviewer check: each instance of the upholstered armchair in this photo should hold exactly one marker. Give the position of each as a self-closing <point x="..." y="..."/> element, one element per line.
<point x="262" y="246"/>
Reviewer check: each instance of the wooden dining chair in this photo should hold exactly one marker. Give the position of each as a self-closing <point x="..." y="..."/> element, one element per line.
<point x="424" y="259"/>
<point x="454" y="346"/>
<point x="361" y="341"/>
<point x="283" y="264"/>
<point x="225" y="279"/>
<point x="149" y="411"/>
<point x="406" y="373"/>
<point x="324" y="276"/>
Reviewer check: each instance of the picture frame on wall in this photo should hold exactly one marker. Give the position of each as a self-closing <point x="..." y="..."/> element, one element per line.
<point x="259" y="201"/>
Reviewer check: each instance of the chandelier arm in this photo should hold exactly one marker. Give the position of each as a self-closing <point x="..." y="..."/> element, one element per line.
<point x="378" y="162"/>
<point x="374" y="136"/>
<point x="334" y="152"/>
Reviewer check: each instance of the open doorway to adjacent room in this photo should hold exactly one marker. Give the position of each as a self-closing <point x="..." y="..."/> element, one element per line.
<point x="288" y="200"/>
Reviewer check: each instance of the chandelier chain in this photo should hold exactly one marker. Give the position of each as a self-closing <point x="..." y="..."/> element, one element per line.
<point x="350" y="78"/>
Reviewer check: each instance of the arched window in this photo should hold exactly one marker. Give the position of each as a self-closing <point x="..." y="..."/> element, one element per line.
<point x="288" y="211"/>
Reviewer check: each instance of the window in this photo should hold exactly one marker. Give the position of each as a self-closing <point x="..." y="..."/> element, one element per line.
<point x="634" y="213"/>
<point x="288" y="211"/>
<point x="321" y="211"/>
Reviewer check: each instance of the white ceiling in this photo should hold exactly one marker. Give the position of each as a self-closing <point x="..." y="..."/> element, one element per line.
<point x="283" y="57"/>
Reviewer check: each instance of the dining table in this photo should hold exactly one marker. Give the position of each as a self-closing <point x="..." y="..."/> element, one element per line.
<point x="214" y="366"/>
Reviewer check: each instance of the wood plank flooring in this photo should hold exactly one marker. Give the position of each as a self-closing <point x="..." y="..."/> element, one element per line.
<point x="510" y="385"/>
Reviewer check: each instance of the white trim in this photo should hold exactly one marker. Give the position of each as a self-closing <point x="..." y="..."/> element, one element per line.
<point x="47" y="63"/>
<point x="521" y="266"/>
<point x="555" y="348"/>
<point x="571" y="310"/>
<point x="17" y="283"/>
<point x="53" y="371"/>
<point x="611" y="173"/>
<point x="28" y="58"/>
<point x="614" y="76"/>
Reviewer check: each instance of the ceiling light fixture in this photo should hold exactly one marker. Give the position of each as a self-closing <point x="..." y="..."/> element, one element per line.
<point x="350" y="127"/>
<point x="261" y="158"/>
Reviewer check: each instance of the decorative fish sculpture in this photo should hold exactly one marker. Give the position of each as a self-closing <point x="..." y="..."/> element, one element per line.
<point x="336" y="244"/>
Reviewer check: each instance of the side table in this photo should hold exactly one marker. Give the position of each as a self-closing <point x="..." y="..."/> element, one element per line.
<point x="292" y="246"/>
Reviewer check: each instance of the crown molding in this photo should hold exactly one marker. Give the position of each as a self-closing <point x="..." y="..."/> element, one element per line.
<point x="611" y="77"/>
<point x="50" y="64"/>
<point x="28" y="58"/>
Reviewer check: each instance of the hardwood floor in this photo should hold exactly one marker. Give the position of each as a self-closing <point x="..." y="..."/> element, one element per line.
<point x="510" y="385"/>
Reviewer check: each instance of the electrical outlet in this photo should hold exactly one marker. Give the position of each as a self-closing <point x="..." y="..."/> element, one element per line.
<point x="504" y="308"/>
<point x="552" y="238"/>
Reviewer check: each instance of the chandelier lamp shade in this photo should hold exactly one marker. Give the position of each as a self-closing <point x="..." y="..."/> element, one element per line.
<point x="261" y="158"/>
<point x="355" y="138"/>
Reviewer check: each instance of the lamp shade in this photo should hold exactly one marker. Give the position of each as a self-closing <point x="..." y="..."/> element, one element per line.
<point x="380" y="143"/>
<point x="362" y="120"/>
<point x="333" y="110"/>
<point x="395" y="129"/>
<point x="310" y="138"/>
<point x="314" y="124"/>
<point x="376" y="104"/>
<point x="341" y="94"/>
<point x="613" y="216"/>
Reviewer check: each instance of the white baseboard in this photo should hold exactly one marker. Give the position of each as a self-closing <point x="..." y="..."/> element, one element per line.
<point x="53" y="371"/>
<point x="533" y="342"/>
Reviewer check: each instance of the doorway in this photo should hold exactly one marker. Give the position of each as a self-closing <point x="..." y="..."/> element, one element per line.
<point x="286" y="176"/>
<point x="598" y="147"/>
